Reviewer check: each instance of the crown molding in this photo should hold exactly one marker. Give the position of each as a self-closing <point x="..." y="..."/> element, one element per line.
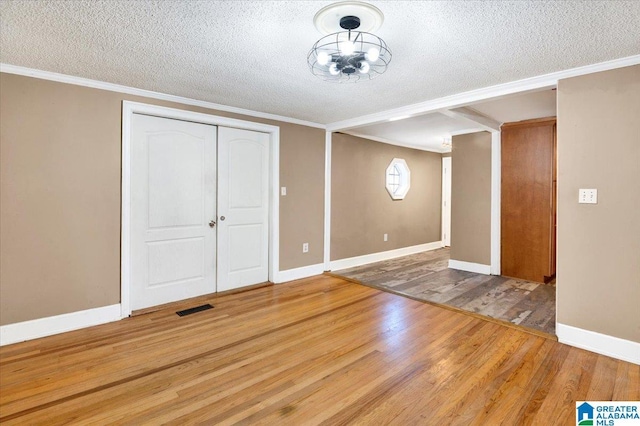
<point x="468" y="98"/>
<point x="435" y="105"/>
<point x="95" y="84"/>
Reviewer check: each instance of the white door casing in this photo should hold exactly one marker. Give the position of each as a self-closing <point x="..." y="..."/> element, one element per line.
<point x="243" y="208"/>
<point x="446" y="201"/>
<point x="173" y="197"/>
<point x="129" y="109"/>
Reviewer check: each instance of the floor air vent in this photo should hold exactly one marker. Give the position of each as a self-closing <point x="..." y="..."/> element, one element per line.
<point x="194" y="310"/>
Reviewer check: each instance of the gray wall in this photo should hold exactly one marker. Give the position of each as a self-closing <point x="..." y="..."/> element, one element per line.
<point x="361" y="208"/>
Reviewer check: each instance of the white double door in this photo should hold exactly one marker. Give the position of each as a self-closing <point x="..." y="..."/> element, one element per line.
<point x="199" y="209"/>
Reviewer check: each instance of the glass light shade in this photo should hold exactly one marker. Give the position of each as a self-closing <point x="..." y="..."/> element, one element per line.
<point x="333" y="69"/>
<point x="372" y="54"/>
<point x="347" y="47"/>
<point x="364" y="67"/>
<point x="323" y="58"/>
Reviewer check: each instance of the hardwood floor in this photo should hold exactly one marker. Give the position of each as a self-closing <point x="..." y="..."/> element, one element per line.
<point x="315" y="351"/>
<point x="426" y="276"/>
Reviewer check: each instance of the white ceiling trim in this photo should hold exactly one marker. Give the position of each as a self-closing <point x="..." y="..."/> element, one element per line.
<point x="470" y="115"/>
<point x="95" y="84"/>
<point x="546" y="81"/>
<point x="391" y="142"/>
<point x="468" y="131"/>
<point x="435" y="105"/>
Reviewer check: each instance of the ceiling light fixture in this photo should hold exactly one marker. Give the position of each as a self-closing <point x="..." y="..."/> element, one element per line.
<point x="446" y="143"/>
<point x="347" y="55"/>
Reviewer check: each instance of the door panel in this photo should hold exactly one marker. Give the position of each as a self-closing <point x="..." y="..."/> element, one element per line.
<point x="173" y="198"/>
<point x="175" y="180"/>
<point x="245" y="247"/>
<point x="246" y="174"/>
<point x="177" y="260"/>
<point x="243" y="202"/>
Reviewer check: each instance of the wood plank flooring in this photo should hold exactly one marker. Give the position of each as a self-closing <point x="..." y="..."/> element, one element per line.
<point x="315" y="351"/>
<point x="426" y="276"/>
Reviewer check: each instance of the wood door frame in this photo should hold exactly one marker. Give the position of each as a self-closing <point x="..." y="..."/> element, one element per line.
<point x="130" y="108"/>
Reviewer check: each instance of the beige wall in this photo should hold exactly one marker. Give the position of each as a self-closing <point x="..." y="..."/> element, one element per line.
<point x="361" y="208"/>
<point x="598" y="274"/>
<point x="60" y="196"/>
<point x="471" y="198"/>
<point x="302" y="209"/>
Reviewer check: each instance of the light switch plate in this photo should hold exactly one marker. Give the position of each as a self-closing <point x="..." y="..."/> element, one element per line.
<point x="588" y="196"/>
<point x="283" y="191"/>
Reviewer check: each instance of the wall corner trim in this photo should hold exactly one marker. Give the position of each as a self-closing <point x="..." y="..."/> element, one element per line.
<point x="383" y="255"/>
<point x="478" y="268"/>
<point x="327" y="200"/>
<point x="603" y="344"/>
<point x="299" y="273"/>
<point x="42" y="327"/>
<point x="496" y="191"/>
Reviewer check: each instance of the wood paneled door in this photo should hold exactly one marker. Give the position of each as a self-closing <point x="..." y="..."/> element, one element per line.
<point x="528" y="206"/>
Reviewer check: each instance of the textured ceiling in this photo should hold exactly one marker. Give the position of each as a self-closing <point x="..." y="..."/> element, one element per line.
<point x="423" y="132"/>
<point x="252" y="54"/>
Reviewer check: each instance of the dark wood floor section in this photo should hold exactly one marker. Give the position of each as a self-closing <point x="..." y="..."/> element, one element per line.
<point x="426" y="276"/>
<point x="315" y="351"/>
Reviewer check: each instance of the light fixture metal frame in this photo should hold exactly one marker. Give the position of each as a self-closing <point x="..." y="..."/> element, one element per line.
<point x="349" y="65"/>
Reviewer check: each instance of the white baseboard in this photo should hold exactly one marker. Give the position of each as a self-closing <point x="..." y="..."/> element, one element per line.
<point x="34" y="329"/>
<point x="299" y="273"/>
<point x="383" y="255"/>
<point x="478" y="268"/>
<point x="626" y="350"/>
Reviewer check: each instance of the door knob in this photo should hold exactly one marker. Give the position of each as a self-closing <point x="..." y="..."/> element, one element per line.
<point x="212" y="224"/>
<point x="222" y="217"/>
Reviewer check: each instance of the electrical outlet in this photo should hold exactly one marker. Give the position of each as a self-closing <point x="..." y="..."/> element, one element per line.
<point x="385" y="237"/>
<point x="588" y="196"/>
<point x="283" y="191"/>
<point x="305" y="247"/>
